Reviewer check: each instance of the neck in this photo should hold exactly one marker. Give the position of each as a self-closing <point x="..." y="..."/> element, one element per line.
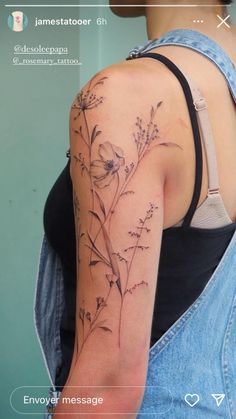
<point x="160" y="20"/>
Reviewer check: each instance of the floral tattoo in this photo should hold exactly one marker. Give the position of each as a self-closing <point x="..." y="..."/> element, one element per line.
<point x="111" y="168"/>
<point x="103" y="170"/>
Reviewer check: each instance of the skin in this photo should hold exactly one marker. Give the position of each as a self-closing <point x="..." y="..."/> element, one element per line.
<point x="132" y="168"/>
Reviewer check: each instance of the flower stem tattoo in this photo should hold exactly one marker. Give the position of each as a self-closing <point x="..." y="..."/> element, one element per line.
<point x="86" y="101"/>
<point x="110" y="171"/>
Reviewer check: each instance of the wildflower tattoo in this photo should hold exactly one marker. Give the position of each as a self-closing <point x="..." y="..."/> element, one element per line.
<point x="111" y="159"/>
<point x="111" y="172"/>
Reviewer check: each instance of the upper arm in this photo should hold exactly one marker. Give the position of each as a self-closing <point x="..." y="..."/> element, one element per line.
<point x="118" y="183"/>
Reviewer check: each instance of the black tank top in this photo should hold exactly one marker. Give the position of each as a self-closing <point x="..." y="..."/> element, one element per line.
<point x="188" y="257"/>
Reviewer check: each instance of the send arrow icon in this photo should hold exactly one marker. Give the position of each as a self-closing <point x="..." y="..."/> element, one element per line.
<point x="218" y="398"/>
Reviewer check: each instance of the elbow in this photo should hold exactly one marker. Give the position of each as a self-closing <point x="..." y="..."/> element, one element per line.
<point x="125" y="391"/>
<point x="118" y="394"/>
<point x="111" y="401"/>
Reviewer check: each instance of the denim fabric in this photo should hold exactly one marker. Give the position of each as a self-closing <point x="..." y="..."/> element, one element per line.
<point x="48" y="308"/>
<point x="198" y="42"/>
<point x="197" y="355"/>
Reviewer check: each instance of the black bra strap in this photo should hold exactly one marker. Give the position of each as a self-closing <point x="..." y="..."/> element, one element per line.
<point x="196" y="133"/>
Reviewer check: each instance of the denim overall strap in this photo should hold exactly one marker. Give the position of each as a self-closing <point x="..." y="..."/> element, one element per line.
<point x="196" y="357"/>
<point x="48" y="308"/>
<point x="199" y="42"/>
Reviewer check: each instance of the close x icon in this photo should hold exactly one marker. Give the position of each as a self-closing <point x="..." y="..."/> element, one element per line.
<point x="223" y="21"/>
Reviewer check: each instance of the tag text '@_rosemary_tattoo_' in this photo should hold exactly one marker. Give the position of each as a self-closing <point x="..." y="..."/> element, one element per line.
<point x="112" y="172"/>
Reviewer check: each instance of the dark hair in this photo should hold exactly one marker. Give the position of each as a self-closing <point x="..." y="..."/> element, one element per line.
<point x="226" y="1"/>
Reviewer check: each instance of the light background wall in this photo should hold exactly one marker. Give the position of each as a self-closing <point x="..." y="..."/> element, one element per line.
<point x="34" y="108"/>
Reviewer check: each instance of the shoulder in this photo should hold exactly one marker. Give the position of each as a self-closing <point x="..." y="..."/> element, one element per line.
<point x="132" y="101"/>
<point x="130" y="77"/>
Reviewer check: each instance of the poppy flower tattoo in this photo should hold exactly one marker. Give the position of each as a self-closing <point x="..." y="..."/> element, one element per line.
<point x="111" y="159"/>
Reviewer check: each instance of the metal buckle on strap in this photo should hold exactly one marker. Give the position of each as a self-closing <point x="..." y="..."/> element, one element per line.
<point x="200" y="105"/>
<point x="134" y="54"/>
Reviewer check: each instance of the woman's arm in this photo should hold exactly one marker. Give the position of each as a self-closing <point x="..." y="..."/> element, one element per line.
<point x="118" y="179"/>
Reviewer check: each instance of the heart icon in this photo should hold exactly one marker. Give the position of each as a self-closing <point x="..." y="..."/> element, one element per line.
<point x="191" y="399"/>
